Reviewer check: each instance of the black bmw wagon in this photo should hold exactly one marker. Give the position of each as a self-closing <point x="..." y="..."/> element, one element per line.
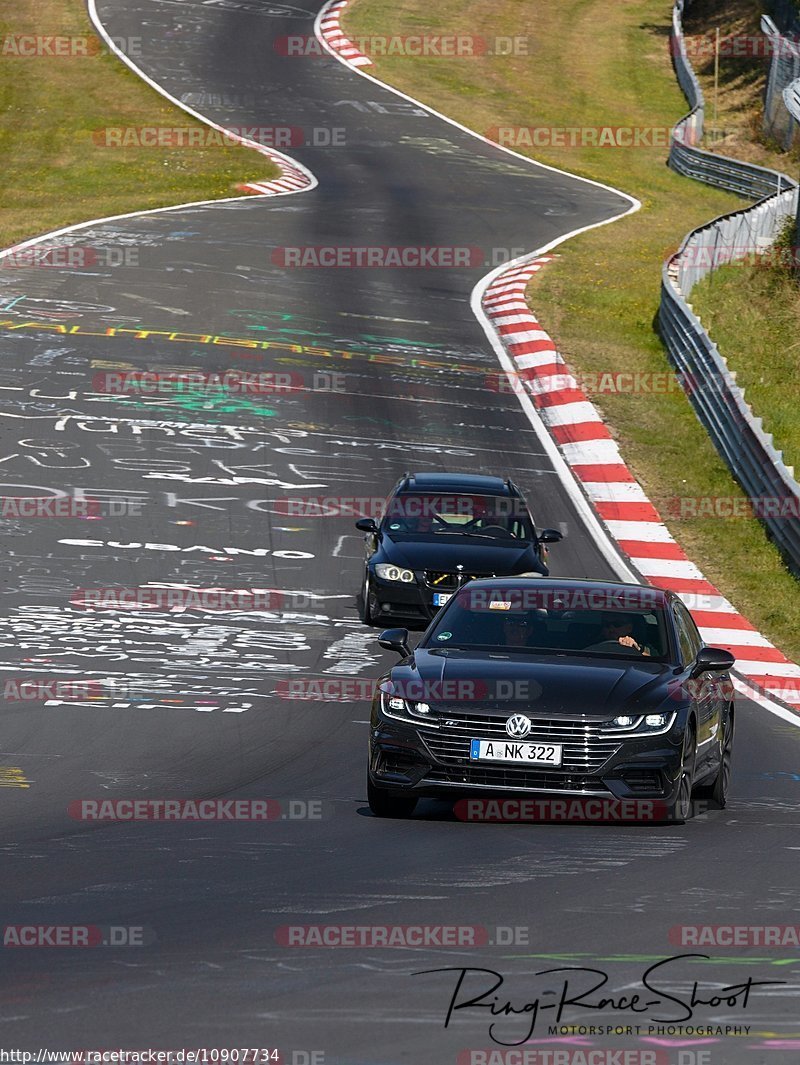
<point x="438" y="531"/>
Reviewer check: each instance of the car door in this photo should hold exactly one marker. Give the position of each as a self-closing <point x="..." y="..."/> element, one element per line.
<point x="706" y="687"/>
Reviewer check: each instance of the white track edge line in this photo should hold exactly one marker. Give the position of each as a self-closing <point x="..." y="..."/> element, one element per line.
<point x="606" y="542"/>
<point x="270" y="153"/>
<point x="607" y="546"/>
<point x="568" y="479"/>
<point x="636" y="204"/>
<point x="174" y="207"/>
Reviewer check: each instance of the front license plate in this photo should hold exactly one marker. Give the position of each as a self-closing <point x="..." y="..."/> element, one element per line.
<point x="440" y="598"/>
<point x="513" y="751"/>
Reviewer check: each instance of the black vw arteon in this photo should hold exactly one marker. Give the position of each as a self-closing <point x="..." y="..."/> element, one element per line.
<point x="438" y="531"/>
<point x="577" y="688"/>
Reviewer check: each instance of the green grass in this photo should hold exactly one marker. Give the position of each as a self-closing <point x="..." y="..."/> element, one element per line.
<point x="599" y="63"/>
<point x="54" y="173"/>
<point x="753" y="312"/>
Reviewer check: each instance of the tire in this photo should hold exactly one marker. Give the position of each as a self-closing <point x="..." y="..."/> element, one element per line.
<point x="681" y="809"/>
<point x="717" y="790"/>
<point x="384" y="804"/>
<point x="366" y="612"/>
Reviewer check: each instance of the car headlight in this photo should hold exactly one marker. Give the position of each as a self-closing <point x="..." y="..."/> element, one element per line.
<point x="648" y="724"/>
<point x="388" y="572"/>
<point x="409" y="710"/>
<point x="422" y="710"/>
<point x="625" y="721"/>
<point x="657" y="721"/>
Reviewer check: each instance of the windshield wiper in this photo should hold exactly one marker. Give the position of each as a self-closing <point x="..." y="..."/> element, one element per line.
<point x="487" y="536"/>
<point x="460" y="532"/>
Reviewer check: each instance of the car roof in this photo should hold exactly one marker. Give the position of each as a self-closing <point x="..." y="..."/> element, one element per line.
<point x="458" y="482"/>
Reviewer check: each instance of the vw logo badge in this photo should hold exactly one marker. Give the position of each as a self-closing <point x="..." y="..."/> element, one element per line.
<point x="518" y="726"/>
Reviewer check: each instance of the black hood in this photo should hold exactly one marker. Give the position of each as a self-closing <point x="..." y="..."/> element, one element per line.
<point x="499" y="556"/>
<point x="547" y="686"/>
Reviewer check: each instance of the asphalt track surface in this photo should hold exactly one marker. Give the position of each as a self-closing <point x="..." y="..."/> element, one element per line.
<point x="207" y="717"/>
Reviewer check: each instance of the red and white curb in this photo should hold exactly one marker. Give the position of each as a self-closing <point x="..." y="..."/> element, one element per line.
<point x="618" y="499"/>
<point x="334" y="37"/>
<point x="292" y="179"/>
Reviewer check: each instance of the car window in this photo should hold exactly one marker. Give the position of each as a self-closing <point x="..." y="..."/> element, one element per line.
<point x="689" y="638"/>
<point x="426" y="514"/>
<point x="472" y="621"/>
<point x="521" y="529"/>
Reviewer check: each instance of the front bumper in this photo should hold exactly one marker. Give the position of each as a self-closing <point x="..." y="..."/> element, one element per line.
<point x="410" y="603"/>
<point x="435" y="763"/>
<point x="397" y="601"/>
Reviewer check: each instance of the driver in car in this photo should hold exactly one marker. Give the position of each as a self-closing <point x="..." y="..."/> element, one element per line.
<point x="618" y="628"/>
<point x="485" y="519"/>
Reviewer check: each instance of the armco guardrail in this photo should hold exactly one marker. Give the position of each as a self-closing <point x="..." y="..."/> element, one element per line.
<point x="784" y="68"/>
<point x="791" y="97"/>
<point x="731" y="237"/>
<point x="746" y="179"/>
<point x="787" y="14"/>
<point x="719" y="402"/>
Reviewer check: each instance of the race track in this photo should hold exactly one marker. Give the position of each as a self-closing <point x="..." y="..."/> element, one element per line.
<point x="393" y="373"/>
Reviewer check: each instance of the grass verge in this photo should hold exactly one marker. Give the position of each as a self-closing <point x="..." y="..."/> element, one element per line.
<point x="752" y="310"/>
<point x="50" y="105"/>
<point x="590" y="64"/>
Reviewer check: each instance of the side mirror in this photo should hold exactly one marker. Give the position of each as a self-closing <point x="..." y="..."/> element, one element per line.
<point x="714" y="659"/>
<point x="395" y="640"/>
<point x="367" y="525"/>
<point x="550" y="536"/>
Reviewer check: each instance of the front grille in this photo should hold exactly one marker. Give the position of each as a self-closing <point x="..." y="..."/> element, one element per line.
<point x="448" y="582"/>
<point x="489" y="776"/>
<point x="585" y="750"/>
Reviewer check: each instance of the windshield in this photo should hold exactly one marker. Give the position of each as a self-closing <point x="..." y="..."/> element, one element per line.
<point x="539" y="622"/>
<point x="417" y="515"/>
